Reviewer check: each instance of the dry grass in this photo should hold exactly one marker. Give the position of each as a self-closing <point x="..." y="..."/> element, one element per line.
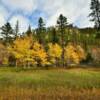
<point x="58" y="94"/>
<point x="71" y="84"/>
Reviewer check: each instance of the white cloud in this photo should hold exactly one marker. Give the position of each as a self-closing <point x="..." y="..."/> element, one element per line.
<point x="86" y="23"/>
<point x="3" y="16"/>
<point x="72" y="9"/>
<point x="75" y="10"/>
<point x="23" y="22"/>
<point x="25" y="5"/>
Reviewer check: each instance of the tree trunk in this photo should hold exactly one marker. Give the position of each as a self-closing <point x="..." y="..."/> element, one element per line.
<point x="16" y="64"/>
<point x="28" y="64"/>
<point x="63" y="51"/>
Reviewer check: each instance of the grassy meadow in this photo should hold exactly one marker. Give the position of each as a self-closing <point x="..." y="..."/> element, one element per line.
<point x="59" y="84"/>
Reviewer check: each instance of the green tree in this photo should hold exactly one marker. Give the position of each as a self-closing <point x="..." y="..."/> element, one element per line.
<point x="29" y="31"/>
<point x="95" y="12"/>
<point x="16" y="29"/>
<point x="7" y="33"/>
<point x="62" y="23"/>
<point x="54" y="36"/>
<point x="41" y="31"/>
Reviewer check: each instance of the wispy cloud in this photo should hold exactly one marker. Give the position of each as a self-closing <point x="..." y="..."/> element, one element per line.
<point x="28" y="11"/>
<point x="3" y="15"/>
<point x="25" y="5"/>
<point x="24" y="22"/>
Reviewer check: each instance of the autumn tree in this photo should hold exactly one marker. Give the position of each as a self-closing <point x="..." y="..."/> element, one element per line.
<point x="54" y="52"/>
<point x="4" y="55"/>
<point x="40" y="54"/>
<point x="95" y="53"/>
<point x="29" y="52"/>
<point x="62" y="23"/>
<point x="74" y="54"/>
<point x="21" y="50"/>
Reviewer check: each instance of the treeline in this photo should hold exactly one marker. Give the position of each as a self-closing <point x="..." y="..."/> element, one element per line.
<point x="60" y="45"/>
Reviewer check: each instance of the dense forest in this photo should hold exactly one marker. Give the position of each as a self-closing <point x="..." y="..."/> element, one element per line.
<point x="60" y="45"/>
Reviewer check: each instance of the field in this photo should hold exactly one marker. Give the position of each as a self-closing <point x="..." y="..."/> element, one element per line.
<point x="52" y="84"/>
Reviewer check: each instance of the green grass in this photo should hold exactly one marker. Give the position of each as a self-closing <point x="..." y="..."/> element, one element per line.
<point x="55" y="81"/>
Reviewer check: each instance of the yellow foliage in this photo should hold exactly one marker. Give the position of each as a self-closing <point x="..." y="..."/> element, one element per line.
<point x="40" y="54"/>
<point x="5" y="61"/>
<point x="25" y="50"/>
<point x="4" y="55"/>
<point x="74" y="54"/>
<point x="81" y="52"/>
<point x="54" y="52"/>
<point x="21" y="49"/>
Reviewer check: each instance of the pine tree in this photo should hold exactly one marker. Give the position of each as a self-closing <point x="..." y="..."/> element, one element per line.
<point x="29" y="31"/>
<point x="62" y="23"/>
<point x="7" y="33"/>
<point x="54" y="36"/>
<point x="95" y="13"/>
<point x="41" y="31"/>
<point x="17" y="29"/>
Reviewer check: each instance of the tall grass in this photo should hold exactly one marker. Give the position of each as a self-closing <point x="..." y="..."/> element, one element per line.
<point x="72" y="84"/>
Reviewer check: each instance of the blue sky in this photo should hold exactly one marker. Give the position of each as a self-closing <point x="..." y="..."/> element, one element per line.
<point x="28" y="12"/>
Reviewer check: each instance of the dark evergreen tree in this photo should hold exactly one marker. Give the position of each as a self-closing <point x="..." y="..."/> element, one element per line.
<point x="16" y="29"/>
<point x="54" y="36"/>
<point x="41" y="31"/>
<point x="62" y="24"/>
<point x="95" y="13"/>
<point x="29" y="31"/>
<point x="7" y="33"/>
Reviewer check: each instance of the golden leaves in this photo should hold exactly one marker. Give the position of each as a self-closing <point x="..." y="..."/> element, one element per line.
<point x="74" y="53"/>
<point x="54" y="52"/>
